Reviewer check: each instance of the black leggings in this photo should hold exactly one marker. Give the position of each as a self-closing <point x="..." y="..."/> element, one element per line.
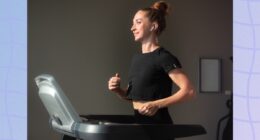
<point x="162" y="116"/>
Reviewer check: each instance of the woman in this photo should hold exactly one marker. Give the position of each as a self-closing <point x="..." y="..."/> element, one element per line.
<point x="152" y="72"/>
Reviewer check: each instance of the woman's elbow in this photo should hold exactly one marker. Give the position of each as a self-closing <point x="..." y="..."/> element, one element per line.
<point x="191" y="93"/>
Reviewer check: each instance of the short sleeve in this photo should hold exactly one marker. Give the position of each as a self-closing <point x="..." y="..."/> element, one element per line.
<point x="169" y="62"/>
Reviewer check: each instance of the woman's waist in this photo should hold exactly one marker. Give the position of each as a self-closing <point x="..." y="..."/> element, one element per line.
<point x="138" y="104"/>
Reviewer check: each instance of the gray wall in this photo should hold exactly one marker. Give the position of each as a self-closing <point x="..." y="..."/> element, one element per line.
<point x="82" y="43"/>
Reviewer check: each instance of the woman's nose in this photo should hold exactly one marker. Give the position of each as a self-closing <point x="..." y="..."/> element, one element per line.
<point x="133" y="28"/>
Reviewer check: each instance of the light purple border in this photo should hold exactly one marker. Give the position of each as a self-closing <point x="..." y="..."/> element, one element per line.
<point x="13" y="69"/>
<point x="246" y="50"/>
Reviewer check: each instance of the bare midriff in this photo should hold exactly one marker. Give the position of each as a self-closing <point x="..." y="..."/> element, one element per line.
<point x="138" y="104"/>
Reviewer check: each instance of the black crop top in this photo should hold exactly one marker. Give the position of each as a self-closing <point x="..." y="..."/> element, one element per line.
<point x="148" y="75"/>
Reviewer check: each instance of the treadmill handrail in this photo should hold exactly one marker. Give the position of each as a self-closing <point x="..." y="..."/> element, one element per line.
<point x="60" y="110"/>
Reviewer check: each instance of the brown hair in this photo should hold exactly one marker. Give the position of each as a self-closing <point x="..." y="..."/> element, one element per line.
<point x="157" y="13"/>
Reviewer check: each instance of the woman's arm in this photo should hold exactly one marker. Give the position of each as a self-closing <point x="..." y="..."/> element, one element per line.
<point x="122" y="93"/>
<point x="186" y="91"/>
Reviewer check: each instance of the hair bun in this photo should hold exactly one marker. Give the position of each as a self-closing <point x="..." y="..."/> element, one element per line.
<point x="161" y="6"/>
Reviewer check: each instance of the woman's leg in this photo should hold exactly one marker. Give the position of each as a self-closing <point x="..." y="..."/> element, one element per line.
<point x="66" y="137"/>
<point x="162" y="116"/>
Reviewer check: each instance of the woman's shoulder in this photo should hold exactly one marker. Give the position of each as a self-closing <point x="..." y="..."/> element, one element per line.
<point x="167" y="60"/>
<point x="164" y="53"/>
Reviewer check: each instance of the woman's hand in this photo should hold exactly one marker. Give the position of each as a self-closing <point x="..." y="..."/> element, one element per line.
<point x="149" y="108"/>
<point x="114" y="83"/>
<point x="114" y="86"/>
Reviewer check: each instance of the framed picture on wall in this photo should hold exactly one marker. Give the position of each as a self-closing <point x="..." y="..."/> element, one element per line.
<point x="210" y="75"/>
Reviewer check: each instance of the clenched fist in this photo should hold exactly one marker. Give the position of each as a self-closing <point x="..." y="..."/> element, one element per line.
<point x="114" y="83"/>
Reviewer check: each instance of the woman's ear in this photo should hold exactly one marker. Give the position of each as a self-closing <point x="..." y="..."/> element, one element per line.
<point x="154" y="26"/>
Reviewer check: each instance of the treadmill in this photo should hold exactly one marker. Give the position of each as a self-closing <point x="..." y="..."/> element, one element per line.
<point x="65" y="120"/>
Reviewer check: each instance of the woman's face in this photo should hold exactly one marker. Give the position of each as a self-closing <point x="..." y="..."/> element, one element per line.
<point x="141" y="27"/>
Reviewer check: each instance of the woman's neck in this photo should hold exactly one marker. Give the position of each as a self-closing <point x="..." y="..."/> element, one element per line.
<point x="150" y="45"/>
